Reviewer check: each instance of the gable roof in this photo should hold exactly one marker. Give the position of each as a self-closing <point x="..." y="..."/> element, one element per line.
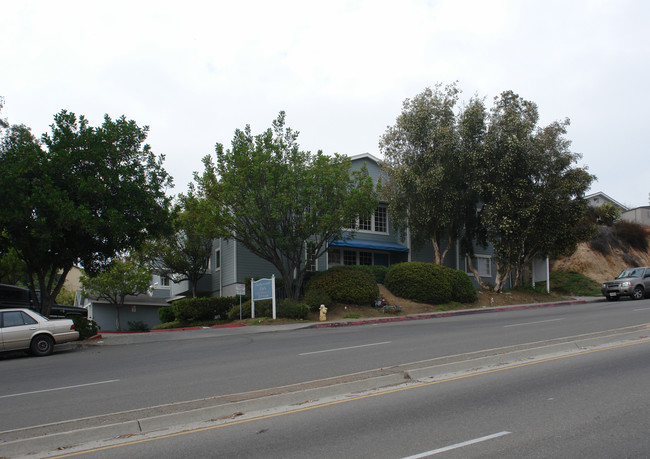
<point x="599" y="198"/>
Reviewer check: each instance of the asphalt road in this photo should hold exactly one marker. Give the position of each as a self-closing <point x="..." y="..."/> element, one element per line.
<point x="191" y="365"/>
<point x="591" y="405"/>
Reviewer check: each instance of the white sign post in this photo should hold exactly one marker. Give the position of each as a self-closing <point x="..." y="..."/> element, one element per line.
<point x="241" y="290"/>
<point x="262" y="289"/>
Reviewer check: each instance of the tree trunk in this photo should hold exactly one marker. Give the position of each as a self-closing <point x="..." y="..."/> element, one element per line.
<point x="477" y="276"/>
<point x="502" y="277"/>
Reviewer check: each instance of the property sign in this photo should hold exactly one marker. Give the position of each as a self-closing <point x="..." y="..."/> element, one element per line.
<point x="262" y="289"/>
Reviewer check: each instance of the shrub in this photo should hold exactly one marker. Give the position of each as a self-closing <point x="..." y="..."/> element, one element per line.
<point x="632" y="234"/>
<point x="462" y="288"/>
<point x="138" y="326"/>
<point x="421" y="282"/>
<point x="379" y="272"/>
<point x="285" y="308"/>
<point x="85" y="327"/>
<point x="574" y="283"/>
<point x="346" y="284"/>
<point x="315" y="297"/>
<point x="191" y="310"/>
<point x="290" y="309"/>
<point x="263" y="308"/>
<point x="166" y="314"/>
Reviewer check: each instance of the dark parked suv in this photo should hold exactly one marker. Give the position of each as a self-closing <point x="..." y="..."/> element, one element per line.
<point x="633" y="282"/>
<point x="12" y="296"/>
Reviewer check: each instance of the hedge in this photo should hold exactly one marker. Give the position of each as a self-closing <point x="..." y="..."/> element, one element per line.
<point x="346" y="284"/>
<point x="189" y="310"/>
<point x="285" y="308"/>
<point x="430" y="283"/>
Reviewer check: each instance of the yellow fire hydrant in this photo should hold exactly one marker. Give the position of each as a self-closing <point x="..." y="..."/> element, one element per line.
<point x="323" y="312"/>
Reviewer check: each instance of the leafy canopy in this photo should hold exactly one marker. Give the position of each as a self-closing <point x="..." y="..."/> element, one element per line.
<point x="426" y="161"/>
<point x="534" y="196"/>
<point x="184" y="254"/>
<point x="82" y="195"/>
<point x="281" y="202"/>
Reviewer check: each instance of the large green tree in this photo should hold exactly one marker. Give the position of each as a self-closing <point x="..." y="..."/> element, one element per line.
<point x="281" y="202"/>
<point x="82" y="195"/>
<point x="428" y="189"/>
<point x="533" y="193"/>
<point x="119" y="280"/>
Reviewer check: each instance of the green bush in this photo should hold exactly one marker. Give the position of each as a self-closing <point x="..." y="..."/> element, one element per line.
<point x="290" y="309"/>
<point x="263" y="308"/>
<point x="346" y="284"/>
<point x="632" y="234"/>
<point x="189" y="310"/>
<point x="166" y="314"/>
<point x="315" y="297"/>
<point x="574" y="283"/>
<point x="462" y="287"/>
<point x="85" y="327"/>
<point x="138" y="326"/>
<point x="422" y="282"/>
<point x="379" y="272"/>
<point x="285" y="308"/>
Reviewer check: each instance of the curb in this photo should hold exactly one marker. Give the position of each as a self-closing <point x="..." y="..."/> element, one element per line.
<point x="443" y="314"/>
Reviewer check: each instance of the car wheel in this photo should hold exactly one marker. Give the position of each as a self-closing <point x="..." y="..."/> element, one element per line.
<point x="638" y="293"/>
<point x="42" y="345"/>
<point x="612" y="298"/>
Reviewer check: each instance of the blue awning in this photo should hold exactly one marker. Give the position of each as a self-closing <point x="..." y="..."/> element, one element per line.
<point x="367" y="244"/>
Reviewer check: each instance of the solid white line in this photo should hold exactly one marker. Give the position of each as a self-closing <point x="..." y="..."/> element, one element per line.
<point x="59" y="388"/>
<point x="459" y="445"/>
<point x="532" y="323"/>
<point x="345" y="348"/>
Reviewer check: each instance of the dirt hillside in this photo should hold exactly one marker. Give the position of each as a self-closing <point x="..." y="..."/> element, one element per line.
<point x="600" y="268"/>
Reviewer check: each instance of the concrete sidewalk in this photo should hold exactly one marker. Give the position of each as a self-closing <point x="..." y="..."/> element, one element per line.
<point x="122" y="338"/>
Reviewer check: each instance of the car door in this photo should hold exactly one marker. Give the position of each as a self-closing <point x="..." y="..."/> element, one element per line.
<point x="17" y="330"/>
<point x="646" y="281"/>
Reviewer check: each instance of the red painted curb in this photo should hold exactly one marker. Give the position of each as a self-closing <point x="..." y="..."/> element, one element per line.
<point x="228" y="326"/>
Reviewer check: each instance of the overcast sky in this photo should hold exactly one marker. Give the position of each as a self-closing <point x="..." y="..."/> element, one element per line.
<point x="196" y="71"/>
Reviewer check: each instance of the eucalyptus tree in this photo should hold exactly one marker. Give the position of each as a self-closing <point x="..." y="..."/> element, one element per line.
<point x="279" y="201"/>
<point x="427" y="162"/>
<point x="533" y="193"/>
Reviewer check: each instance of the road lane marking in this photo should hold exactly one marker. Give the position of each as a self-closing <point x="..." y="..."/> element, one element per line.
<point x="459" y="445"/>
<point x="59" y="388"/>
<point x="345" y="400"/>
<point x="532" y="323"/>
<point x="345" y="348"/>
<point x="642" y="309"/>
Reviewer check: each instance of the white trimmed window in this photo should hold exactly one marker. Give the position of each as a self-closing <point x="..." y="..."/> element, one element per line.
<point x="338" y="256"/>
<point x="365" y="258"/>
<point x="377" y="223"/>
<point x="482" y="263"/>
<point x="349" y="257"/>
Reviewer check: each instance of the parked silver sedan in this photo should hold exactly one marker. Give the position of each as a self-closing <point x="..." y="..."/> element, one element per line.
<point x="24" y="329"/>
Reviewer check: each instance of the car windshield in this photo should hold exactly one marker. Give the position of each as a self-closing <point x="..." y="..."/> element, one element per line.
<point x="637" y="272"/>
